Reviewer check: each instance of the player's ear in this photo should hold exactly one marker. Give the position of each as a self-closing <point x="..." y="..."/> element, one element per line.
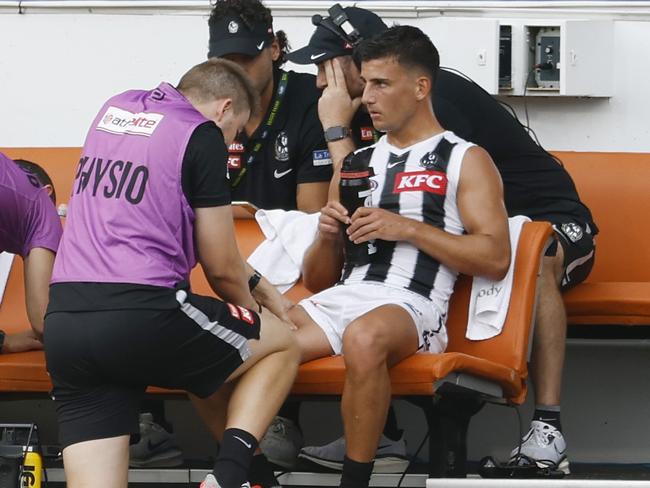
<point x="275" y="49"/>
<point x="422" y="87"/>
<point x="222" y="107"/>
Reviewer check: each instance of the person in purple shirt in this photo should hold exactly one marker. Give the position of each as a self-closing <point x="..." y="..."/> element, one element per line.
<point x="150" y="200"/>
<point x="29" y="227"/>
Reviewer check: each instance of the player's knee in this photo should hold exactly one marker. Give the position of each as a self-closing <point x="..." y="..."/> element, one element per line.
<point x="364" y="347"/>
<point x="277" y="333"/>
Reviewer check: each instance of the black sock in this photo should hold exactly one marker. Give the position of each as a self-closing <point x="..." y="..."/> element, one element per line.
<point x="355" y="475"/>
<point x="391" y="430"/>
<point x="261" y="472"/>
<point x="234" y="460"/>
<point x="290" y="409"/>
<point x="548" y="414"/>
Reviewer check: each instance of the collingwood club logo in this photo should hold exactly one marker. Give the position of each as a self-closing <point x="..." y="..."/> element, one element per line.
<point x="572" y="231"/>
<point x="282" y="147"/>
<point x="429" y="160"/>
<point x="233" y="27"/>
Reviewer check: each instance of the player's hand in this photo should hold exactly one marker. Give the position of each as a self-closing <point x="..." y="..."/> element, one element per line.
<point x="370" y="223"/>
<point x="21" y="341"/>
<point x="332" y="215"/>
<point x="335" y="106"/>
<point x="269" y="297"/>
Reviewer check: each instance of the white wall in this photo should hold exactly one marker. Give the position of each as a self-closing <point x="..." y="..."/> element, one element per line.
<point x="58" y="64"/>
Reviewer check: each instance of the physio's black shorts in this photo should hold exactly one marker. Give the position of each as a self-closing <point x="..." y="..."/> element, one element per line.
<point x="101" y="362"/>
<point x="579" y="249"/>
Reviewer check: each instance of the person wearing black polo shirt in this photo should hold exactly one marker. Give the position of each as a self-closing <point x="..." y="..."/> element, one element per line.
<point x="535" y="184"/>
<point x="280" y="159"/>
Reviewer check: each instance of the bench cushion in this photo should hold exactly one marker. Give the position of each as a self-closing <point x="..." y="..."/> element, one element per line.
<point x="415" y="375"/>
<point x="619" y="303"/>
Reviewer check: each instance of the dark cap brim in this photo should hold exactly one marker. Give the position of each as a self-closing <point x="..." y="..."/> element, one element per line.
<point x="246" y="46"/>
<point x="309" y="55"/>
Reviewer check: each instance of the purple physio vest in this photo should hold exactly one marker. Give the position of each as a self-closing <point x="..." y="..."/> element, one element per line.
<point x="128" y="220"/>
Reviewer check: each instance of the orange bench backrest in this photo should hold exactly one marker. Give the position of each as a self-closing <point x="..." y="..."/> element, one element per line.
<point x="615" y="186"/>
<point x="509" y="348"/>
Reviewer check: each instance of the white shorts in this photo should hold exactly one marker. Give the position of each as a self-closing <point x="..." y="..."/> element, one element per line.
<point x="334" y="308"/>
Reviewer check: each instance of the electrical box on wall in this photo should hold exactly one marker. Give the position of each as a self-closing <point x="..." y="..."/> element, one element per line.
<point x="562" y="57"/>
<point x="541" y="57"/>
<point x="547" y="58"/>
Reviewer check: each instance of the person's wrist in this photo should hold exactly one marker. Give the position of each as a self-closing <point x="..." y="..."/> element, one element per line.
<point x="254" y="280"/>
<point x="330" y="237"/>
<point x="336" y="133"/>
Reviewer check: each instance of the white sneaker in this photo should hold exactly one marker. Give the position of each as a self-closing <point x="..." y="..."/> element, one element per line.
<point x="156" y="448"/>
<point x="211" y="482"/>
<point x="390" y="457"/>
<point x="544" y="445"/>
<point x="282" y="442"/>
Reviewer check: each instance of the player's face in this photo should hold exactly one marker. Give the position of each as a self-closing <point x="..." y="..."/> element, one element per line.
<point x="389" y="93"/>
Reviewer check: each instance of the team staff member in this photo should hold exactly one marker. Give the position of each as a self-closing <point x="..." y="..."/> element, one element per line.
<point x="535" y="184"/>
<point x="379" y="313"/>
<point x="280" y="159"/>
<point x="29" y="227"/>
<point x="121" y="316"/>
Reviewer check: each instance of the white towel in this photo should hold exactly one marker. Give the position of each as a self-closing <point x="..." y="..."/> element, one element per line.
<point x="489" y="300"/>
<point x="288" y="235"/>
<point x="6" y="259"/>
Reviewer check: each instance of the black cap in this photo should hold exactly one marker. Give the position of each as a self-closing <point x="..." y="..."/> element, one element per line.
<point x="325" y="44"/>
<point x="231" y="35"/>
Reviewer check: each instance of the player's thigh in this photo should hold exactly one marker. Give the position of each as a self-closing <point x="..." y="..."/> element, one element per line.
<point x="388" y="330"/>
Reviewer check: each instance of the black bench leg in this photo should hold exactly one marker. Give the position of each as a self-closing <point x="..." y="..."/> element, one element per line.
<point x="448" y="420"/>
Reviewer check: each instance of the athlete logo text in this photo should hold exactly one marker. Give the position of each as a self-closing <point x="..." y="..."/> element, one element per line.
<point x="429" y="181"/>
<point x="118" y="121"/>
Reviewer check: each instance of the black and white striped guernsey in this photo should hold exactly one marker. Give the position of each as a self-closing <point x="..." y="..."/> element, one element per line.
<point x="419" y="182"/>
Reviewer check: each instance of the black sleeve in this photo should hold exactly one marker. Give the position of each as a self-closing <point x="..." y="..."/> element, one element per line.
<point x="314" y="162"/>
<point x="205" y="172"/>
<point x="452" y="118"/>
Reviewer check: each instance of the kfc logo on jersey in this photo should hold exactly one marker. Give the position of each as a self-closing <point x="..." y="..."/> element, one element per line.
<point x="234" y="162"/>
<point x="236" y="147"/>
<point x="367" y="134"/>
<point x="233" y="311"/>
<point x="429" y="181"/>
<point x="246" y="315"/>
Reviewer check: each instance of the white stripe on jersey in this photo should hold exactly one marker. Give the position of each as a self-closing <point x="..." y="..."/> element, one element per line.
<point x="412" y="184"/>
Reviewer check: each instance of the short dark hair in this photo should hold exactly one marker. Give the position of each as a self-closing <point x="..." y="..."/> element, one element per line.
<point x="251" y="12"/>
<point x="216" y="79"/>
<point x="39" y="173"/>
<point x="410" y="46"/>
